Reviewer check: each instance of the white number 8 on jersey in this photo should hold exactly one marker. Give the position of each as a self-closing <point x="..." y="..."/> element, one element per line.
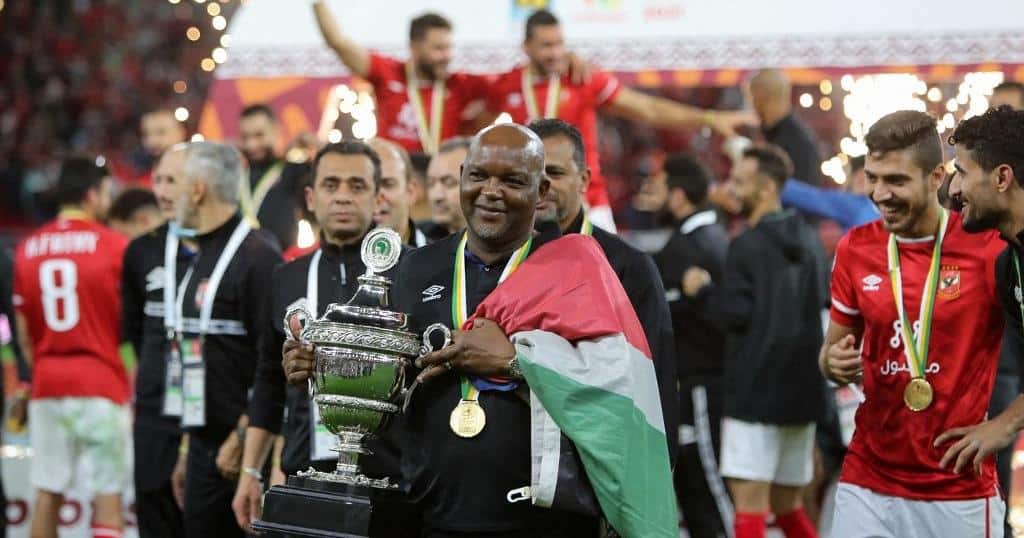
<point x="59" y="319"/>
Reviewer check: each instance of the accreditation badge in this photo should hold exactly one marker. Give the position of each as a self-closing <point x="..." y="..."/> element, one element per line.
<point x="173" y="403"/>
<point x="193" y="384"/>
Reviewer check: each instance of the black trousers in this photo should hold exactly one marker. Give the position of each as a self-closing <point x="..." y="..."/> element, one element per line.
<point x="703" y="497"/>
<point x="208" y="495"/>
<point x="156" y="512"/>
<point x="1005" y="390"/>
<point x="568" y="530"/>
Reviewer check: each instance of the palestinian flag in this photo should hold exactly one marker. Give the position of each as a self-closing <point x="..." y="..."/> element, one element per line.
<point x="589" y="369"/>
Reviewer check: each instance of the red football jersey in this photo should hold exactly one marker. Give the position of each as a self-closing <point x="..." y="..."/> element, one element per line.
<point x="67" y="285"/>
<point x="396" y="120"/>
<point x="892" y="449"/>
<point x="577" y="104"/>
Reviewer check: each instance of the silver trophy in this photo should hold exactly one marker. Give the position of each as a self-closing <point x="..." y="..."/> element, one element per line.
<point x="361" y="350"/>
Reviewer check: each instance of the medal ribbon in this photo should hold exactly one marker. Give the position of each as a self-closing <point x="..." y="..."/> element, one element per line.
<point x="587" y="228"/>
<point x="550" y="105"/>
<point x="916" y="349"/>
<point x="251" y="199"/>
<point x="459" y="308"/>
<point x="430" y="138"/>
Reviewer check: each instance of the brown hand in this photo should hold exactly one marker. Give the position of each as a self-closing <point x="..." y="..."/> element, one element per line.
<point x="297" y="360"/>
<point x="483" y="350"/>
<point x="975" y="443"/>
<point x="843" y="362"/>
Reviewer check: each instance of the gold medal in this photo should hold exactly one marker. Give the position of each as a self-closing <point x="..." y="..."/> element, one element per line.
<point x="918" y="394"/>
<point x="468" y="419"/>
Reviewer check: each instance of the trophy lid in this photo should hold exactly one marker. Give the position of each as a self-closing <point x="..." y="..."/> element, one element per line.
<point x="380" y="250"/>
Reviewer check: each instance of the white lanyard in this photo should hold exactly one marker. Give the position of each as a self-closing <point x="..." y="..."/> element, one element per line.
<point x="206" y="309"/>
<point x="321" y="440"/>
<point x="170" y="276"/>
<point x="312" y="284"/>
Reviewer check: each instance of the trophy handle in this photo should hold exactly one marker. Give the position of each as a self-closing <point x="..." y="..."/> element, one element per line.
<point x="304" y="317"/>
<point x="427" y="347"/>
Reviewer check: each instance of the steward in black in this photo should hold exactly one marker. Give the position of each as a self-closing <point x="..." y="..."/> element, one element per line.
<point x="156" y="436"/>
<point x="229" y="353"/>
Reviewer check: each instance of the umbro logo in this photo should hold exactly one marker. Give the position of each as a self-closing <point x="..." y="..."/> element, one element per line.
<point x="871" y="282"/>
<point x="155" y="279"/>
<point x="432" y="293"/>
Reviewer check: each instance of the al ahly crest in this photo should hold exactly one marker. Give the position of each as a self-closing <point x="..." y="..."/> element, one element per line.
<point x="949" y="282"/>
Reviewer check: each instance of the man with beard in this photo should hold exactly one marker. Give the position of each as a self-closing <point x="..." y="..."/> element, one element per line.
<point x="219" y="311"/>
<point x="398" y="192"/>
<point x="700" y="240"/>
<point x="273" y="188"/>
<point x="987" y="183"/>
<point x="565" y="166"/>
<point x="768" y="303"/>
<point x="160" y="130"/>
<point x="154" y="265"/>
<point x="926" y="380"/>
<point x="541" y="82"/>
<point x="443" y="188"/>
<point x="467" y="468"/>
<point x="343" y="198"/>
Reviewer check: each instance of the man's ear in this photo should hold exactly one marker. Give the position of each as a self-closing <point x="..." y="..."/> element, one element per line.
<point x="1005" y="179"/>
<point x="585" y="181"/>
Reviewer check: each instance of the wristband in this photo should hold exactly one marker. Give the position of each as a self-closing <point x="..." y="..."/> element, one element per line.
<point x="707" y="117"/>
<point x="255" y="473"/>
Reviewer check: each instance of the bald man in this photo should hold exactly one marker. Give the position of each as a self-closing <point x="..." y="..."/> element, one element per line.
<point x="398" y="192"/>
<point x="471" y="438"/>
<point x="771" y="93"/>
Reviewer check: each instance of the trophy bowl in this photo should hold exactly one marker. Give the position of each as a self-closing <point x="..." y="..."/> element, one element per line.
<point x="361" y="349"/>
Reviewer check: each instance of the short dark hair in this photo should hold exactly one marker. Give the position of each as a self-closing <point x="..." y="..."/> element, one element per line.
<point x="550" y="127"/>
<point x="79" y="175"/>
<point x="1009" y="85"/>
<point x="994" y="138"/>
<point x="686" y="172"/>
<point x="454" y="143"/>
<point x="257" y="109"/>
<point x="772" y="161"/>
<point x="130" y="201"/>
<point x="907" y="129"/>
<point x="419" y="26"/>
<point x="541" y="17"/>
<point x="351" y="147"/>
<point x="420" y="162"/>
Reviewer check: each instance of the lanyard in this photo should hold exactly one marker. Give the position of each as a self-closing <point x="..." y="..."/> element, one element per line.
<point x="550" y="105"/>
<point x="1017" y="292"/>
<point x="429" y="139"/>
<point x="206" y="309"/>
<point x="312" y="285"/>
<point x="916" y="349"/>
<point x="252" y="199"/>
<point x="459" y="307"/>
<point x="170" y="278"/>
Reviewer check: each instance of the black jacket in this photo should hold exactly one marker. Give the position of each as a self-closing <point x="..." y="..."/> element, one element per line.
<point x="278" y="214"/>
<point x="230" y="348"/>
<point x="639" y="277"/>
<point x="801" y="144"/>
<point x="461" y="484"/>
<point x="1007" y="286"/>
<point x="769" y="304"/>
<point x="700" y="241"/>
<point x="338" y="271"/>
<point x="7" y="309"/>
<point x="142" y="323"/>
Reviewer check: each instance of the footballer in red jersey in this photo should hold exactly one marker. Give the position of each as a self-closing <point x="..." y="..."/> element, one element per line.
<point x="539" y="90"/>
<point x="67" y="297"/>
<point x="915" y="316"/>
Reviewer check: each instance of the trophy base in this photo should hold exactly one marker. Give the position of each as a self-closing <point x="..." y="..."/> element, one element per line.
<point x="319" y="505"/>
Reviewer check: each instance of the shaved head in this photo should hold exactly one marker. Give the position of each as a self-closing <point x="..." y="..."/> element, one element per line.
<point x="396" y="186"/>
<point x="771" y="83"/>
<point x="511" y="138"/>
<point x="502" y="182"/>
